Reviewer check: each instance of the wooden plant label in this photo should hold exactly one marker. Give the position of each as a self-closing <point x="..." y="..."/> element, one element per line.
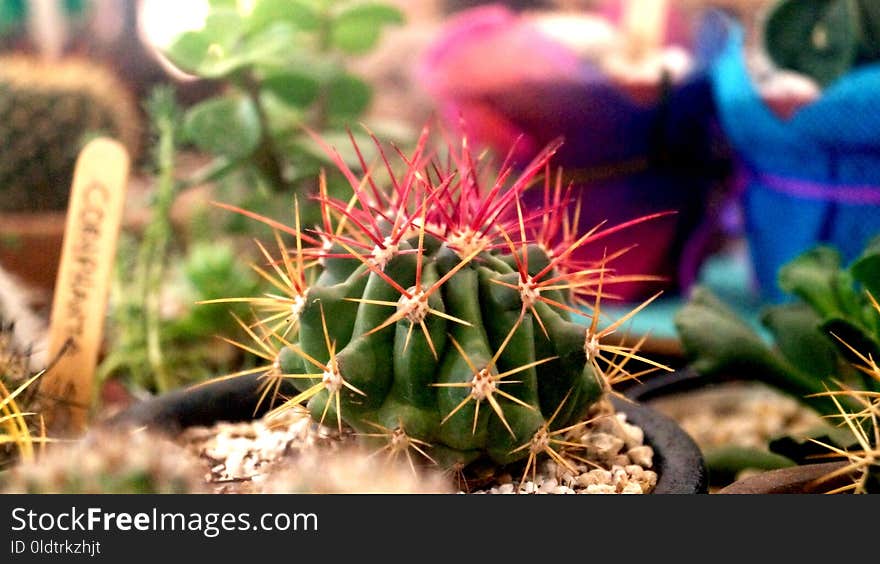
<point x="644" y="23"/>
<point x="76" y="325"/>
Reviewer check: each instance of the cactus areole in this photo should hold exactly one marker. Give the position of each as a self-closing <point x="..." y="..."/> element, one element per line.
<point x="435" y="316"/>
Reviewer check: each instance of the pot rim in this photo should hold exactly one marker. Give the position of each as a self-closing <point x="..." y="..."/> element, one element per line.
<point x="677" y="459"/>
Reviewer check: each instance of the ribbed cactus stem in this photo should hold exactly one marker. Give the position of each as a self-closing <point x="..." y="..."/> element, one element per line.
<point x="435" y="320"/>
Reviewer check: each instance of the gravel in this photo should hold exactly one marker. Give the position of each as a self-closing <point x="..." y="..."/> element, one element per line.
<point x="292" y="453"/>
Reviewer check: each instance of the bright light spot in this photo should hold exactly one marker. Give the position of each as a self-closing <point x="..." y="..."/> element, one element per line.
<point x="161" y="21"/>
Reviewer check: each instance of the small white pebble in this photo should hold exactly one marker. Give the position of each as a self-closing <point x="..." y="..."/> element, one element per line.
<point x="642" y="455"/>
<point x="593" y="477"/>
<point x="631" y="488"/>
<point x="635" y="472"/>
<point x="633" y="436"/>
<point x="602" y="445"/>
<point x="600" y="489"/>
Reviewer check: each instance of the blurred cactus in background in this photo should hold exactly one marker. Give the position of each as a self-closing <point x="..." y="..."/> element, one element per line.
<point x="48" y="110"/>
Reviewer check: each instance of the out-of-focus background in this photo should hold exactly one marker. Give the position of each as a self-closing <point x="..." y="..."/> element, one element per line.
<point x="662" y="105"/>
<point x="722" y="153"/>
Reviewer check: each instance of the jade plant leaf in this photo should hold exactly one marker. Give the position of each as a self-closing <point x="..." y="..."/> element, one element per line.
<point x="797" y="333"/>
<point x="727" y="461"/>
<point x="866" y="268"/>
<point x="715" y="337"/>
<point x="716" y="341"/>
<point x="347" y="98"/>
<point x="357" y="29"/>
<point x="869" y="16"/>
<point x="215" y="55"/>
<point x="294" y="89"/>
<point x="224" y="126"/>
<point x="848" y="336"/>
<point x="813" y="277"/>
<point x="189" y="50"/>
<point x="266" y="12"/>
<point x="804" y="447"/>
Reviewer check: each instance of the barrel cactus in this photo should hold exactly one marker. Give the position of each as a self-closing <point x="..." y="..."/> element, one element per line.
<point x="437" y="317"/>
<point x="823" y="39"/>
<point x="47" y="110"/>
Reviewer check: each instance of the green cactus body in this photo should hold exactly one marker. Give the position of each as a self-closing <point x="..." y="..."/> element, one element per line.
<point x="428" y="327"/>
<point x="404" y="384"/>
<point x="47" y="111"/>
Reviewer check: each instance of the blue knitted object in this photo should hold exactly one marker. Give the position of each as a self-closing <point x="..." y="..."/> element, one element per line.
<point x="813" y="178"/>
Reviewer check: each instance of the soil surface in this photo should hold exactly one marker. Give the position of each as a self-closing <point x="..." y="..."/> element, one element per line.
<point x="293" y="454"/>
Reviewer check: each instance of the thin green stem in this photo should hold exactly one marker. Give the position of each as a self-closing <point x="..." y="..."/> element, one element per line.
<point x="267" y="157"/>
<point x="154" y="251"/>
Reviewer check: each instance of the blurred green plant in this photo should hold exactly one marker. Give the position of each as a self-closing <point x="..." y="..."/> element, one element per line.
<point x="158" y="337"/>
<point x="823" y="39"/>
<point x="285" y="65"/>
<point x="823" y="347"/>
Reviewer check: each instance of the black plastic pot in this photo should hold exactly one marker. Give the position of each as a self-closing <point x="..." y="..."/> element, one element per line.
<point x="669" y="383"/>
<point x="677" y="459"/>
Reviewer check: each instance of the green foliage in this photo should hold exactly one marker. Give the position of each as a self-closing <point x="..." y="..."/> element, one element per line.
<point x="823" y="38"/>
<point x="158" y="337"/>
<point x="812" y="336"/>
<point x="822" y="351"/>
<point x="285" y="64"/>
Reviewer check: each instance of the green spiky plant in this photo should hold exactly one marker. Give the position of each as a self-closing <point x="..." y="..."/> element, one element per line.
<point x="438" y="318"/>
<point x="863" y="457"/>
<point x="48" y="110"/>
<point x="285" y="66"/>
<point x="823" y="39"/>
<point x="18" y="433"/>
<point x="826" y="338"/>
<point x="22" y="430"/>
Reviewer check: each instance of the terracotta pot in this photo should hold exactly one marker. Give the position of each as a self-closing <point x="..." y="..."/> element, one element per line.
<point x="30" y="249"/>
<point x="31" y="242"/>
<point x="803" y="479"/>
<point x="677" y="459"/>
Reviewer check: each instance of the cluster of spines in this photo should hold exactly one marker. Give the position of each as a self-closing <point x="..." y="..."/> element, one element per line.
<point x="21" y="431"/>
<point x="437" y="204"/>
<point x="861" y="417"/>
